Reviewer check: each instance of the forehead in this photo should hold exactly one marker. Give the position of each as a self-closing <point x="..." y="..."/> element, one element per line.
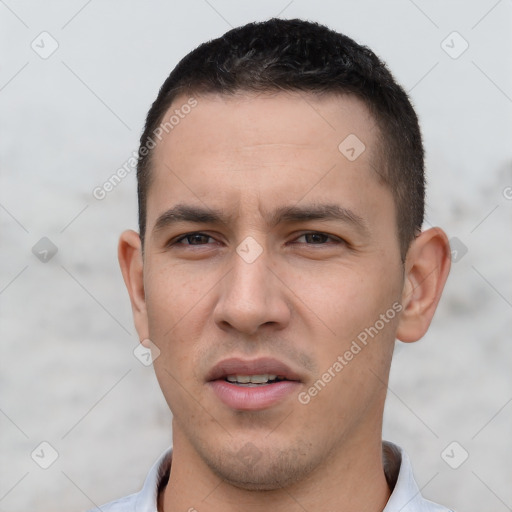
<point x="264" y="149"/>
<point x="243" y="122"/>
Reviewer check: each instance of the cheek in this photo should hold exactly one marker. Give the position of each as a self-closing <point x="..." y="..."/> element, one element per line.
<point x="172" y="296"/>
<point x="176" y="305"/>
<point x="353" y="368"/>
<point x="345" y="300"/>
<point x="180" y="301"/>
<point x="361" y="309"/>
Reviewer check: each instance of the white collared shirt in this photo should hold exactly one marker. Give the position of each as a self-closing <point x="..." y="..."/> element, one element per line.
<point x="405" y="497"/>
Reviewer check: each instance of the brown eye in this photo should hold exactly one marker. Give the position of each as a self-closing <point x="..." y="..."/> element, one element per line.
<point x="193" y="239"/>
<point x="317" y="238"/>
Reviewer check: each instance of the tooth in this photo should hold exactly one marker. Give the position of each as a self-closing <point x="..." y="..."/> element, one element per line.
<point x="272" y="377"/>
<point x="243" y="379"/>
<point x="259" y="379"/>
<point x="231" y="378"/>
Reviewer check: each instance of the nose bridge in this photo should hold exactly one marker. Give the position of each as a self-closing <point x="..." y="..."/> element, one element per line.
<point x="249" y="283"/>
<point x="250" y="295"/>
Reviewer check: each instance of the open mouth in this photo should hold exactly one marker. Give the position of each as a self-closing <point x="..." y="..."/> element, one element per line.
<point x="252" y="384"/>
<point x="254" y="380"/>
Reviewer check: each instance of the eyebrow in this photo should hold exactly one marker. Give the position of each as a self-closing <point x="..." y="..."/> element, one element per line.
<point x="283" y="214"/>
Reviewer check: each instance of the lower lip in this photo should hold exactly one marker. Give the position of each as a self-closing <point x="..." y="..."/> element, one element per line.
<point x="252" y="398"/>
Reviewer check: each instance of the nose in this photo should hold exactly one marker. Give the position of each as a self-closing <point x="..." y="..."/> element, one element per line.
<point x="251" y="296"/>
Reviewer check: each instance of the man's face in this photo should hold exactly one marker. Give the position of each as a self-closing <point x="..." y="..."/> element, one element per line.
<point x="260" y="293"/>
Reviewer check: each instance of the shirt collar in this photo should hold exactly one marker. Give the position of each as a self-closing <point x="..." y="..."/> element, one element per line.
<point x="405" y="496"/>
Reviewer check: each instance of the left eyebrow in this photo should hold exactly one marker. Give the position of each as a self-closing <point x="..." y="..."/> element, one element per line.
<point x="282" y="215"/>
<point x="289" y="214"/>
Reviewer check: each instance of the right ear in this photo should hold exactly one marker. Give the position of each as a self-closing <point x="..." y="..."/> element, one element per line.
<point x="130" y="259"/>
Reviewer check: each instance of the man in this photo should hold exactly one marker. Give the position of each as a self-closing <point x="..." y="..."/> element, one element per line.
<point x="280" y="255"/>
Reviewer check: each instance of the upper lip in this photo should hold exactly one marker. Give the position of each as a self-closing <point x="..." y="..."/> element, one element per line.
<point x="260" y="366"/>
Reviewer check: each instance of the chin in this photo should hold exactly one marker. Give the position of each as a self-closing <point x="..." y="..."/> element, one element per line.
<point x="273" y="470"/>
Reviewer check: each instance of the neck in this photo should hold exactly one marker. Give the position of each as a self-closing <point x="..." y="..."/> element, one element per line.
<point x="352" y="480"/>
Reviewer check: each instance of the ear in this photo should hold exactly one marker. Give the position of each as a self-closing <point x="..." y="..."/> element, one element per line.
<point x="426" y="269"/>
<point x="130" y="259"/>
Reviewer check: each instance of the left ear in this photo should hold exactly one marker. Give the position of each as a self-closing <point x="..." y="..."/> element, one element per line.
<point x="426" y="269"/>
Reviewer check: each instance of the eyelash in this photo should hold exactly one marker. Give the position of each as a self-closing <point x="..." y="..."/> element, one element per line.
<point x="177" y="241"/>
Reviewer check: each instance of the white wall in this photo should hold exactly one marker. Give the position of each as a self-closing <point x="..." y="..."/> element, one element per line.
<point x="68" y="375"/>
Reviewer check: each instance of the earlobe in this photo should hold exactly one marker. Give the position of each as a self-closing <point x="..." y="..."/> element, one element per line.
<point x="426" y="270"/>
<point x="131" y="263"/>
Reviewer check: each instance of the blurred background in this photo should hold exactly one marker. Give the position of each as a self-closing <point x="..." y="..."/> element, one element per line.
<point x="76" y="81"/>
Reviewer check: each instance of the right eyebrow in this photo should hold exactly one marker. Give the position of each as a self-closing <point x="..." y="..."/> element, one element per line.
<point x="187" y="213"/>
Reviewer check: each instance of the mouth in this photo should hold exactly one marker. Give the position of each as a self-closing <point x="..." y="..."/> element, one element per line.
<point x="254" y="380"/>
<point x="252" y="385"/>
